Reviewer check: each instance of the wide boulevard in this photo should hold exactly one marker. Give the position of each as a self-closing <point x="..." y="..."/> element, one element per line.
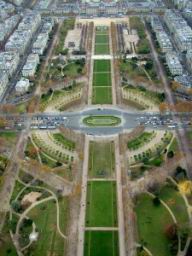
<point x="74" y="120"/>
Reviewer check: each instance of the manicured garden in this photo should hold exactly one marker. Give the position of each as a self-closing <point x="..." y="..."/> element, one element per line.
<point x="102" y="66"/>
<point x="101" y="204"/>
<point x="138" y="142"/>
<point x="51" y="151"/>
<point x="101" y="79"/>
<point x="142" y="97"/>
<point x="101" y="243"/>
<point x="102" y="95"/>
<point x="101" y="159"/>
<point x="68" y="144"/>
<point x="101" y="49"/>
<point x="101" y="41"/>
<point x="154" y="153"/>
<point x="101" y="120"/>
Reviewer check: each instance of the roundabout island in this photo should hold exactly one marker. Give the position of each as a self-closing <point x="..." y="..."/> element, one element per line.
<point x="102" y="121"/>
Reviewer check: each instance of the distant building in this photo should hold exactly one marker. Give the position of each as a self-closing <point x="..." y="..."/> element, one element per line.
<point x="20" y="39"/>
<point x="9" y="62"/>
<point x="180" y="30"/>
<point x="180" y="4"/>
<point x="22" y="86"/>
<point x="7" y="27"/>
<point x="30" y="66"/>
<point x="40" y="44"/>
<point x="162" y="37"/>
<point x="4" y="79"/>
<point x="174" y="64"/>
<point x="189" y="59"/>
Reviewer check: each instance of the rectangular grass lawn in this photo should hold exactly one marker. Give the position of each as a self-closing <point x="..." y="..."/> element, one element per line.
<point x="102" y="95"/>
<point x="101" y="204"/>
<point x="102" y="49"/>
<point x="102" y="66"/>
<point x="152" y="222"/>
<point x="101" y="159"/>
<point x="101" y="243"/>
<point x="101" y="39"/>
<point x="101" y="79"/>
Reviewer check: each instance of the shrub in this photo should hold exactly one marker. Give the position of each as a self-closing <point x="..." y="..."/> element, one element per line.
<point x="156" y="201"/>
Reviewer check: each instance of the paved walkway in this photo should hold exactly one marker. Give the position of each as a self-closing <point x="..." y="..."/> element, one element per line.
<point x="113" y="87"/>
<point x="101" y="228"/>
<point x="90" y="83"/>
<point x="120" y="210"/>
<point x="81" y="229"/>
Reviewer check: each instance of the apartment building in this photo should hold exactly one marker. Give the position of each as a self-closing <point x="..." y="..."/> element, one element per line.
<point x="174" y="64"/>
<point x="189" y="59"/>
<point x="4" y="79"/>
<point x="30" y="66"/>
<point x="162" y="37"/>
<point x="7" y="26"/>
<point x="40" y="44"/>
<point x="180" y="4"/>
<point x="9" y="62"/>
<point x="21" y="38"/>
<point x="6" y="9"/>
<point x="180" y="30"/>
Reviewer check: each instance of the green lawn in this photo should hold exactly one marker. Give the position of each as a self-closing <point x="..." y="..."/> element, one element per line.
<point x="140" y="140"/>
<point x="17" y="188"/>
<point x="101" y="204"/>
<point x="101" y="243"/>
<point x="102" y="66"/>
<point x="101" y="49"/>
<point x="8" y="135"/>
<point x="102" y="95"/>
<point x="152" y="222"/>
<point x="174" y="146"/>
<point x="101" y="39"/>
<point x="49" y="241"/>
<point x="72" y="70"/>
<point x="174" y="200"/>
<point x="101" y="79"/>
<point x="47" y="161"/>
<point x="101" y="120"/>
<point x="101" y="159"/>
<point x="6" y="246"/>
<point x="63" y="140"/>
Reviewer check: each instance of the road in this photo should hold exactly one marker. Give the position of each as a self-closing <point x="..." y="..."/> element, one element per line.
<point x="74" y="120"/>
<point x="181" y="133"/>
